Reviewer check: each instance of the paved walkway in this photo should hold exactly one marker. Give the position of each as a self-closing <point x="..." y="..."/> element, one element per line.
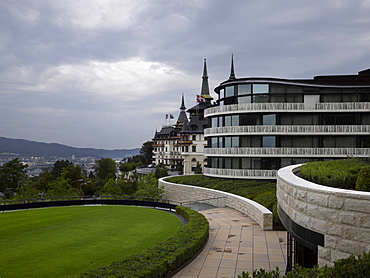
<point x="236" y="243"/>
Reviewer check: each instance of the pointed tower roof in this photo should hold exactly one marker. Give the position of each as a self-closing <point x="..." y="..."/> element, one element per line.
<point x="232" y="73"/>
<point x="182" y="119"/>
<point x="182" y="107"/>
<point x="205" y="85"/>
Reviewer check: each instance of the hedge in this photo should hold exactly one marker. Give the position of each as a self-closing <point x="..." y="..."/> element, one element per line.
<point x="352" y="267"/>
<point x="336" y="173"/>
<point x="163" y="258"/>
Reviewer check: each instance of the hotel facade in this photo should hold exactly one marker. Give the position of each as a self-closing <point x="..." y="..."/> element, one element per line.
<point x="260" y="125"/>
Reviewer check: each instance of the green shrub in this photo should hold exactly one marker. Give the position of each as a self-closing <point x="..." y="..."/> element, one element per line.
<point x="363" y="179"/>
<point x="352" y="267"/>
<point x="163" y="258"/>
<point x="335" y="173"/>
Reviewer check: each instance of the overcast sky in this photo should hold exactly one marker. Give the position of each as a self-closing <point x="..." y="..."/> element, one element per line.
<point x="103" y="73"/>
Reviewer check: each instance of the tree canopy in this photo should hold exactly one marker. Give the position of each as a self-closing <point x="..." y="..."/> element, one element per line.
<point x="12" y="174"/>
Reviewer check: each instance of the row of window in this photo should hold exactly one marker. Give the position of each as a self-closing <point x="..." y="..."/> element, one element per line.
<point x="183" y="149"/>
<point x="248" y="119"/>
<point x="289" y="142"/>
<point x="279" y="90"/>
<point x="255" y="163"/>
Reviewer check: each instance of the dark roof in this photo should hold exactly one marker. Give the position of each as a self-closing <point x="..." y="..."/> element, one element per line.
<point x="199" y="107"/>
<point x="196" y="125"/>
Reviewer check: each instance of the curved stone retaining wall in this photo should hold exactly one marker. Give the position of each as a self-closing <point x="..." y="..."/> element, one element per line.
<point x="187" y="193"/>
<point x="341" y="216"/>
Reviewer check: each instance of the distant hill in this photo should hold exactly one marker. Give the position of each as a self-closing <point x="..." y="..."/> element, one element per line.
<point x="25" y="148"/>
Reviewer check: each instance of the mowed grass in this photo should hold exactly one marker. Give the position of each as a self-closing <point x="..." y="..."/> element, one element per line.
<point x="63" y="241"/>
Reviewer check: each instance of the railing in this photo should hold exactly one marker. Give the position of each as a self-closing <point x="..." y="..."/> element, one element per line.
<point x="240" y="173"/>
<point x="288" y="129"/>
<point x="285" y="107"/>
<point x="318" y="152"/>
<point x="218" y="202"/>
<point x="185" y="142"/>
<point x="90" y="200"/>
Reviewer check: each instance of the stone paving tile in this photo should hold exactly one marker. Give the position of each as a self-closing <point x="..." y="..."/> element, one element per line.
<point x="236" y="244"/>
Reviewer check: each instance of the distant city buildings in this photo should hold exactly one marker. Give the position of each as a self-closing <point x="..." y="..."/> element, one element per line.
<point x="260" y="125"/>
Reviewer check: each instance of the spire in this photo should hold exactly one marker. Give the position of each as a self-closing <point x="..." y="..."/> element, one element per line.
<point x="182" y="119"/>
<point x="205" y="85"/>
<point x="232" y="74"/>
<point x="182" y="107"/>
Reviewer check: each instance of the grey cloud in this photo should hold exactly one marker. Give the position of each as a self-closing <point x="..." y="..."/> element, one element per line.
<point x="104" y="76"/>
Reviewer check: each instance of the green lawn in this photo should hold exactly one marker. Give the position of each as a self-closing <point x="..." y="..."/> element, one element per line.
<point x="63" y="241"/>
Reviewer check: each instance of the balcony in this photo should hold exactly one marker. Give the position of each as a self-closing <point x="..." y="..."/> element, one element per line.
<point x="185" y="142"/>
<point x="158" y="145"/>
<point x="240" y="173"/>
<point x="291" y="152"/>
<point x="288" y="130"/>
<point x="288" y="107"/>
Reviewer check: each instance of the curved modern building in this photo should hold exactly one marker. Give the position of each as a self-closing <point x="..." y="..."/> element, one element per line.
<point x="260" y="125"/>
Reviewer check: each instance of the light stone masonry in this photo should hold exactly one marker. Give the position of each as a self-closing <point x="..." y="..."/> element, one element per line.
<point x="187" y="193"/>
<point x="342" y="216"/>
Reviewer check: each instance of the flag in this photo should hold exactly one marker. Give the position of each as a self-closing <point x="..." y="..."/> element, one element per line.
<point x="200" y="98"/>
<point x="166" y="116"/>
<point x="171" y="116"/>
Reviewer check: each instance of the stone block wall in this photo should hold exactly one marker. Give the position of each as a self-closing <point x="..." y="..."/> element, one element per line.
<point x="187" y="193"/>
<point x="342" y="216"/>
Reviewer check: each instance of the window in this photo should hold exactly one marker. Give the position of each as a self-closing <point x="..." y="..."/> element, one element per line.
<point x="269" y="119"/>
<point x="228" y="163"/>
<point x="269" y="141"/>
<point x="220" y="142"/>
<point x="220" y="162"/>
<point x="193" y="149"/>
<point x="245" y="99"/>
<point x="194" y="137"/>
<point x="214" y="122"/>
<point x="213" y="162"/>
<point x="244" y="89"/>
<point x="277" y="98"/>
<point x="339" y="142"/>
<point x="277" y="89"/>
<point x="235" y="141"/>
<point x="246" y="163"/>
<point x="311" y="98"/>
<point x="235" y="120"/>
<point x="260" y="98"/>
<point x="260" y="88"/>
<point x="332" y="98"/>
<point x="229" y="91"/>
<point x="227" y="142"/>
<point x="246" y="119"/>
<point x="232" y="120"/>
<point x="222" y="93"/>
<point x="339" y="119"/>
<point x="299" y="119"/>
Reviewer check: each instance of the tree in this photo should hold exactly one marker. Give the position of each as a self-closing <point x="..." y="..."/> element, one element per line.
<point x="126" y="168"/>
<point x="147" y="152"/>
<point x="57" y="169"/>
<point x="113" y="188"/>
<point x="12" y="174"/>
<point x="105" y="168"/>
<point x="198" y="168"/>
<point x="160" y="171"/>
<point x="27" y="190"/>
<point x="61" y="187"/>
<point x="148" y="187"/>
